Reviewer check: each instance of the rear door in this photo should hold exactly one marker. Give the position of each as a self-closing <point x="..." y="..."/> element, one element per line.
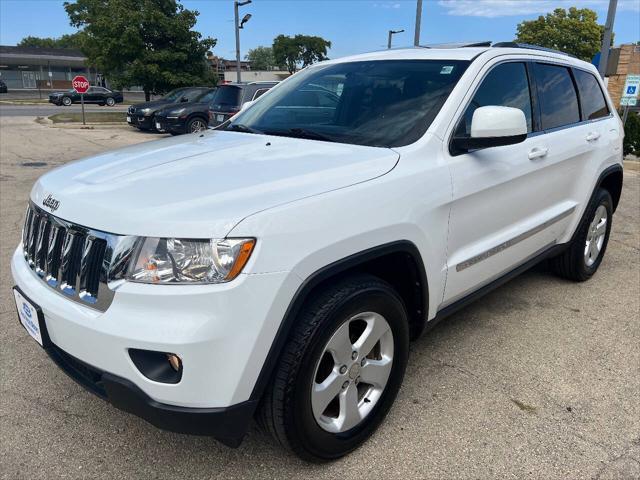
<point x="511" y="202"/>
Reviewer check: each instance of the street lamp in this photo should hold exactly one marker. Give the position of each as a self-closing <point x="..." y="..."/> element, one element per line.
<point x="245" y="19"/>
<point x="391" y="34"/>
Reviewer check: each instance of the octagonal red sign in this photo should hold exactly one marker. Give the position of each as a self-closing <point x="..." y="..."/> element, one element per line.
<point x="80" y="84"/>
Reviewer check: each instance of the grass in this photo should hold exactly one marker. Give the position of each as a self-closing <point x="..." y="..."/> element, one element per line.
<point x="23" y="101"/>
<point x="91" y="117"/>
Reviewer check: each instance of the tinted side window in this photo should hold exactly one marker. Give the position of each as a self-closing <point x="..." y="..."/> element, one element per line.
<point x="591" y="96"/>
<point x="506" y="85"/>
<point x="558" y="98"/>
<point x="259" y="93"/>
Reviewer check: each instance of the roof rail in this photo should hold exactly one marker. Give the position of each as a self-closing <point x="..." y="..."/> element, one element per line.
<point x="530" y="47"/>
<point x="458" y="45"/>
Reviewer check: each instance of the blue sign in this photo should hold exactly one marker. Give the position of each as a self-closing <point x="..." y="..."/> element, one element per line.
<point x="631" y="90"/>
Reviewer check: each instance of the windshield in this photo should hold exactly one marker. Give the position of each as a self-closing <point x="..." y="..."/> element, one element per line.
<point x="174" y="95"/>
<point x="225" y="98"/>
<point x="386" y="103"/>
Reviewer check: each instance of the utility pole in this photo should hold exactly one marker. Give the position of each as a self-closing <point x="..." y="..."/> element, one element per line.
<point x="416" y="38"/>
<point x="606" y="38"/>
<point x="236" y="5"/>
<point x="392" y="33"/>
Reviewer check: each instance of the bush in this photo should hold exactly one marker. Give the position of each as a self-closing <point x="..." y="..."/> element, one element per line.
<point x="632" y="134"/>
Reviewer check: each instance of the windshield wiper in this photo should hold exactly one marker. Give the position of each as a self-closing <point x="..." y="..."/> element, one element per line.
<point x="301" y="133"/>
<point x="240" y="127"/>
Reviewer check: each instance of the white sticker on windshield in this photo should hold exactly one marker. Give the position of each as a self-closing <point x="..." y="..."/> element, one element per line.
<point x="446" y="70"/>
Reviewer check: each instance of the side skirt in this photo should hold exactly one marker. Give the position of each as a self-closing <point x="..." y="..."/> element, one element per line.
<point x="482" y="291"/>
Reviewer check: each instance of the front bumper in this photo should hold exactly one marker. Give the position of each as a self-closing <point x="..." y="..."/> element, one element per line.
<point x="140" y="121"/>
<point x="166" y="124"/>
<point x="221" y="332"/>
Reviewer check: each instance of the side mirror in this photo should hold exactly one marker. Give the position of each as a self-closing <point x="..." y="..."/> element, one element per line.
<point x="493" y="126"/>
<point x="246" y="105"/>
<point x="184" y="99"/>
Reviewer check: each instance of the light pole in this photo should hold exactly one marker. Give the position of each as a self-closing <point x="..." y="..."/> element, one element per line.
<point x="245" y="19"/>
<point x="416" y="36"/>
<point x="392" y="33"/>
<point x="606" y="38"/>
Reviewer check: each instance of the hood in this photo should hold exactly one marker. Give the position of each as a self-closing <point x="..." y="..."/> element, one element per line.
<point x="201" y="186"/>
<point x="189" y="107"/>
<point x="155" y="104"/>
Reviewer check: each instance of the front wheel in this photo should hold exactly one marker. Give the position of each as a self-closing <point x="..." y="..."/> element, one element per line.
<point x="340" y="371"/>
<point x="66" y="101"/>
<point x="196" y="125"/>
<point x="110" y="102"/>
<point x="584" y="255"/>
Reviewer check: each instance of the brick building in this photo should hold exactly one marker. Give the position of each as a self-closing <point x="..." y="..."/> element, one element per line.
<point x="623" y="60"/>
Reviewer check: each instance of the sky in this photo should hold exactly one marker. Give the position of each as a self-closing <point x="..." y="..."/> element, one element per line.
<point x="353" y="26"/>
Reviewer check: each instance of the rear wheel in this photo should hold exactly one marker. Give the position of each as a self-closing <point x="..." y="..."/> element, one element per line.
<point x="110" y="102"/>
<point x="584" y="255"/>
<point x="340" y="370"/>
<point x="66" y="101"/>
<point x="196" y="125"/>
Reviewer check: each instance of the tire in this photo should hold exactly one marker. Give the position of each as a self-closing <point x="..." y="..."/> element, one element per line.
<point x="287" y="408"/>
<point x="66" y="101"/>
<point x="110" y="102"/>
<point x="586" y="250"/>
<point x="196" y="125"/>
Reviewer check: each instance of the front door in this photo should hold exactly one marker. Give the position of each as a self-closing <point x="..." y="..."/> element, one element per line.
<point x="509" y="202"/>
<point x="28" y="79"/>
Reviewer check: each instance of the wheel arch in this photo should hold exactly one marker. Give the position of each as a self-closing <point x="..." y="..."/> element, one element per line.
<point x="399" y="263"/>
<point x="611" y="180"/>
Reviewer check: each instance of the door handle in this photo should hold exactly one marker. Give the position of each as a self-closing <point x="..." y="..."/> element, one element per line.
<point x="538" y="152"/>
<point x="593" y="136"/>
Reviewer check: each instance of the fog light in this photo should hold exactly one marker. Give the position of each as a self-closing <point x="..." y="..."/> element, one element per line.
<point x="174" y="361"/>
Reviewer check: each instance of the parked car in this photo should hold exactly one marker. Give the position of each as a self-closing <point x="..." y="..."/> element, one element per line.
<point x="142" y="115"/>
<point x="99" y="95"/>
<point x="187" y="117"/>
<point x="230" y="97"/>
<point x="3" y="87"/>
<point x="280" y="265"/>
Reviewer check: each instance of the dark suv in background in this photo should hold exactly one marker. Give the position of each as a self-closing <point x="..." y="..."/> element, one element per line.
<point x="188" y="117"/>
<point x="230" y="97"/>
<point x="142" y="115"/>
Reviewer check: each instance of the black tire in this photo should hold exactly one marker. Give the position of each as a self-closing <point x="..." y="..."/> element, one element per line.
<point x="66" y="101"/>
<point x="286" y="412"/>
<point x="110" y="102"/>
<point x="189" y="128"/>
<point x="571" y="263"/>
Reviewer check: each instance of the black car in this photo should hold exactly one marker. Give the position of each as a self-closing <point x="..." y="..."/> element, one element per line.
<point x="142" y="115"/>
<point x="188" y="117"/>
<point x="99" y="95"/>
<point x="3" y="87"/>
<point x="230" y="97"/>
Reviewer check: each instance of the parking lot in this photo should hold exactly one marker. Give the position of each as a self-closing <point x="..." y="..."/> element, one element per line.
<point x="540" y="379"/>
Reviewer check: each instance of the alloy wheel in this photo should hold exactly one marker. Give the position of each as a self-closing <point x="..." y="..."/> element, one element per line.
<point x="352" y="372"/>
<point x="595" y="236"/>
<point x="197" y="126"/>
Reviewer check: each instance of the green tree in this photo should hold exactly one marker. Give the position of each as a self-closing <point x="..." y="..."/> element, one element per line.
<point x="299" y="51"/>
<point x="73" y="40"/>
<point x="261" y="58"/>
<point x="150" y="43"/>
<point x="576" y="32"/>
<point x="632" y="134"/>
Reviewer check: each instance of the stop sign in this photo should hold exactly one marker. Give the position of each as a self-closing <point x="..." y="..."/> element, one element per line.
<point x="80" y="84"/>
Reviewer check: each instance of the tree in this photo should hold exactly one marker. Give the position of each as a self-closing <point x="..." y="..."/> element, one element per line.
<point x="261" y="58"/>
<point x="149" y="43"/>
<point x="301" y="50"/>
<point x="575" y="32"/>
<point x="73" y="40"/>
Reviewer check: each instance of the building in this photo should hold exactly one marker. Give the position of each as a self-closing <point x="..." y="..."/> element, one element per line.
<point x="222" y="65"/>
<point x="623" y="60"/>
<point x="255" y="76"/>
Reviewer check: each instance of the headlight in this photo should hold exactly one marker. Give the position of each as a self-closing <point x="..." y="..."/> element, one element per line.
<point x="145" y="111"/>
<point x="175" y="260"/>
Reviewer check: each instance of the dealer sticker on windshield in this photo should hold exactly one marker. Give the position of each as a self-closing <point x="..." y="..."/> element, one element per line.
<point x="446" y="70"/>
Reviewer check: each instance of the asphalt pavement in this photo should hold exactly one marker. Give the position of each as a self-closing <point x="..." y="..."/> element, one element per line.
<point x="47" y="109"/>
<point x="540" y="379"/>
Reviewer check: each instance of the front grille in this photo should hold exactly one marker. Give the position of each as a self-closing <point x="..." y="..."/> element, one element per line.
<point x="73" y="260"/>
<point x="131" y="110"/>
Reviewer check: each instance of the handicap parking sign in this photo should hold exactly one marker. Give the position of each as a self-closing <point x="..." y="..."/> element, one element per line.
<point x="631" y="90"/>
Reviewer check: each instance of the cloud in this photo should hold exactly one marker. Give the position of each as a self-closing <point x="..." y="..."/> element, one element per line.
<point x="390" y="4"/>
<point x="505" y="8"/>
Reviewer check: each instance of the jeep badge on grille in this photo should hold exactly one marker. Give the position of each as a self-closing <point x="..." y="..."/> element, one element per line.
<point x="51" y="203"/>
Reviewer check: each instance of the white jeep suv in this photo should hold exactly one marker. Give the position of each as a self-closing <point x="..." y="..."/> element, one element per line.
<point x="279" y="266"/>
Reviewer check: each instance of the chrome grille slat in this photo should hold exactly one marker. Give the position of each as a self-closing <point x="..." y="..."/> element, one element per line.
<point x="73" y="260"/>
